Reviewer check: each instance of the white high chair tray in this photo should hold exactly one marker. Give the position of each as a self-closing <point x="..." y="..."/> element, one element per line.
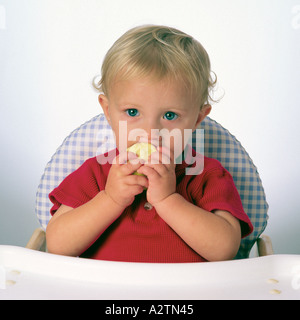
<point x="28" y="274"/>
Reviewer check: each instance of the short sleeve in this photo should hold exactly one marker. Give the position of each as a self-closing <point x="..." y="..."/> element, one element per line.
<point x="77" y="188"/>
<point x="219" y="192"/>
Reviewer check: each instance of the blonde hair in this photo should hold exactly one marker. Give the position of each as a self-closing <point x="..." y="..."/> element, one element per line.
<point x="160" y="52"/>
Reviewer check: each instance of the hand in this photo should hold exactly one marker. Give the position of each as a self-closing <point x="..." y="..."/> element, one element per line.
<point x="160" y="172"/>
<point x="122" y="186"/>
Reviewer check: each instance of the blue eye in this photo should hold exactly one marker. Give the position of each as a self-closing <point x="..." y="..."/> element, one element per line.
<point x="132" y="112"/>
<point x="170" y="116"/>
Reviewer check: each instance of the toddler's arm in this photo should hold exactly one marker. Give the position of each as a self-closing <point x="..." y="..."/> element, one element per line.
<point x="215" y="236"/>
<point x="72" y="231"/>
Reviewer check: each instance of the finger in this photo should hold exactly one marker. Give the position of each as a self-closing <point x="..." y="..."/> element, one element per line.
<point x="124" y="157"/>
<point x="160" y="169"/>
<point x="167" y="152"/>
<point x="159" y="157"/>
<point x="137" y="180"/>
<point x="134" y="159"/>
<point x="129" y="168"/>
<point x="150" y="171"/>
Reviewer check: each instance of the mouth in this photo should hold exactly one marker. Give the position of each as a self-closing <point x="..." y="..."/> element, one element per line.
<point x="142" y="149"/>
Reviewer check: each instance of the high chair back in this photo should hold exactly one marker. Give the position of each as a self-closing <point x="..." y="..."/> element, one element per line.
<point x="95" y="137"/>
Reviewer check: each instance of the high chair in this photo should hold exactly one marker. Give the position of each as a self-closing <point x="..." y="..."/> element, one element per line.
<point x="95" y="137"/>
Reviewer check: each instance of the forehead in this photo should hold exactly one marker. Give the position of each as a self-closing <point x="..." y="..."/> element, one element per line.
<point x="144" y="89"/>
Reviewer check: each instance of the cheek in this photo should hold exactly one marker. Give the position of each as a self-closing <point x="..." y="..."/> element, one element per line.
<point x="120" y="131"/>
<point x="174" y="140"/>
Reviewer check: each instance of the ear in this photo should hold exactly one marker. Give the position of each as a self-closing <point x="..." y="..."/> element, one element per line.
<point x="103" y="100"/>
<point x="203" y="113"/>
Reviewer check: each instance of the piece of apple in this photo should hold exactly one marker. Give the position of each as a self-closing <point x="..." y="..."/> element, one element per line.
<point x="143" y="150"/>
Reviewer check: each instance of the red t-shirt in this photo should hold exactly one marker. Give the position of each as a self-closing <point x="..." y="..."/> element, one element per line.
<point x="139" y="234"/>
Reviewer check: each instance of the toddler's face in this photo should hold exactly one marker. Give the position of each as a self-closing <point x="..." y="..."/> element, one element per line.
<point x="146" y="104"/>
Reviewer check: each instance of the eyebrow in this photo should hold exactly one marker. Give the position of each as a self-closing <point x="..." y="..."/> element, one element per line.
<point x="167" y="108"/>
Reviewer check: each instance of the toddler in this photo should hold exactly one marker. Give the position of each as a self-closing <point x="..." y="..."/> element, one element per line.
<point x="154" y="79"/>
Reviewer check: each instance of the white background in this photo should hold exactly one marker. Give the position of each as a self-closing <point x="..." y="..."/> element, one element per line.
<point x="50" y="50"/>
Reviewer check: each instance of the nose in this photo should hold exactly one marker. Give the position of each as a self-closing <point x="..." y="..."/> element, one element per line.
<point x="147" y="132"/>
<point x="152" y="128"/>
